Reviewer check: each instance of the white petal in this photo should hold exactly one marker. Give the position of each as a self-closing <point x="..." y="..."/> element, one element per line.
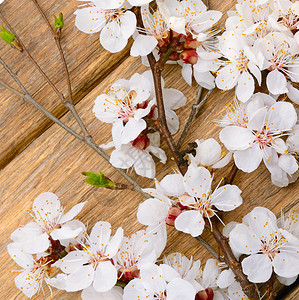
<point x="179" y="289"/>
<point x="288" y="163"/>
<point x="172" y="120"/>
<point x="91" y="294"/>
<point x="80" y="279"/>
<point x="204" y="79"/>
<point x="257" y="267"/>
<point x="27" y="283"/>
<point x="173" y="99"/>
<point x="22" y="258"/>
<point x="169" y="273"/>
<point x="46" y="208"/>
<point x="172" y="185"/>
<point x="65" y="232"/>
<point x="227" y="77"/>
<point x="132" y="129"/>
<point x="287" y="281"/>
<point x="276" y="83"/>
<point x="208" y="152"/>
<point x="190" y="222"/>
<point x="114" y="243"/>
<point x="293" y="93"/>
<point x="90" y="19"/>
<point x="197" y="181"/>
<point x="244" y="240"/>
<point x="225" y="279"/>
<point x="72" y="213"/>
<point x="282" y="116"/>
<point x="124" y="157"/>
<point x="245" y="87"/>
<point x="111" y="37"/>
<point x="249" y="159"/>
<point x="227" y="198"/>
<point x="127" y="23"/>
<point x="236" y="138"/>
<point x="145" y="165"/>
<point x="105" y="276"/>
<point x="73" y="261"/>
<point x="286" y="264"/>
<point x="187" y="73"/>
<point x="143" y="45"/>
<point x="100" y="233"/>
<point x="152" y="211"/>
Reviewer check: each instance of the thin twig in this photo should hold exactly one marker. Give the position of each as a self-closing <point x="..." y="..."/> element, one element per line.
<point x="60" y="95"/>
<point x="232" y="174"/>
<point x="156" y="68"/>
<point x="207" y="246"/>
<point x="87" y="140"/>
<point x="70" y="103"/>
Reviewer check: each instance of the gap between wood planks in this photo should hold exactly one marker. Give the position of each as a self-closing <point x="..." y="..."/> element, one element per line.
<point x="78" y="94"/>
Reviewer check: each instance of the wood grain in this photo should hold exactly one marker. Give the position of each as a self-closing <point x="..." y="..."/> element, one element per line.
<point x="53" y="160"/>
<point x="88" y="63"/>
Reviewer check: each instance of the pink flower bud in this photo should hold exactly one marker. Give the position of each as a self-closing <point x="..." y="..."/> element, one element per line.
<point x="172" y="215"/>
<point x="189" y="56"/>
<point x="207" y="294"/>
<point x="141" y="142"/>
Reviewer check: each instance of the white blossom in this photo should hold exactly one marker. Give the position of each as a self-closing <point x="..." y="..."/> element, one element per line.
<point x="239" y="67"/>
<point x="152" y="285"/>
<point x="33" y="274"/>
<point x="92" y="266"/>
<point x="267" y="246"/>
<point x="116" y="293"/>
<point x="209" y="154"/>
<point x="260" y="138"/>
<point x="50" y="222"/>
<point x="116" y="25"/>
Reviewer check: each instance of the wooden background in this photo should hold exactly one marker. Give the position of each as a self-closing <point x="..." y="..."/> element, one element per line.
<point x="38" y="156"/>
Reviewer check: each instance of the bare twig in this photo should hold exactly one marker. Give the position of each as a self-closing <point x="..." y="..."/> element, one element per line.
<point x="70" y="103"/>
<point x="87" y="140"/>
<point x="207" y="246"/>
<point x="232" y="174"/>
<point x="161" y="123"/>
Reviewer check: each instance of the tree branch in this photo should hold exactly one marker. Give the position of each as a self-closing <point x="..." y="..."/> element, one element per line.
<point x="161" y="123"/>
<point x="248" y="287"/>
<point x="87" y="140"/>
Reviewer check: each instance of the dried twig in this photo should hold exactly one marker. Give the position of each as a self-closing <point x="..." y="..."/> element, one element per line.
<point x="161" y="123"/>
<point x="87" y="140"/>
<point x="232" y="174"/>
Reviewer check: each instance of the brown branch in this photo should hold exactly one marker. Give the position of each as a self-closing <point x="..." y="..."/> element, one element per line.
<point x="248" y="287"/>
<point x="232" y="174"/>
<point x="161" y="123"/>
<point x="87" y="140"/>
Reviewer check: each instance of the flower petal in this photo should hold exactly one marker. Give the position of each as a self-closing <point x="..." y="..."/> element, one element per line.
<point x="190" y="222"/>
<point x="257" y="267"/>
<point x="80" y="279"/>
<point x="105" y="276"/>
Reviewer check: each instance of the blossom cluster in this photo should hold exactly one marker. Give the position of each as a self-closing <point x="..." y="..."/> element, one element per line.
<point x="130" y="106"/>
<point x="263" y="129"/>
<point x="95" y="263"/>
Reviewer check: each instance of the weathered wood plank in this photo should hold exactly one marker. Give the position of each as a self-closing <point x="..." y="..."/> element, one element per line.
<point x="88" y="63"/>
<point x="54" y="162"/>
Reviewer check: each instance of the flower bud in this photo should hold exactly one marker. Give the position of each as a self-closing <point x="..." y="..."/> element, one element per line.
<point x="189" y="56"/>
<point x="141" y="142"/>
<point x="172" y="215"/>
<point x="58" y="24"/>
<point x="207" y="294"/>
<point x="9" y="38"/>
